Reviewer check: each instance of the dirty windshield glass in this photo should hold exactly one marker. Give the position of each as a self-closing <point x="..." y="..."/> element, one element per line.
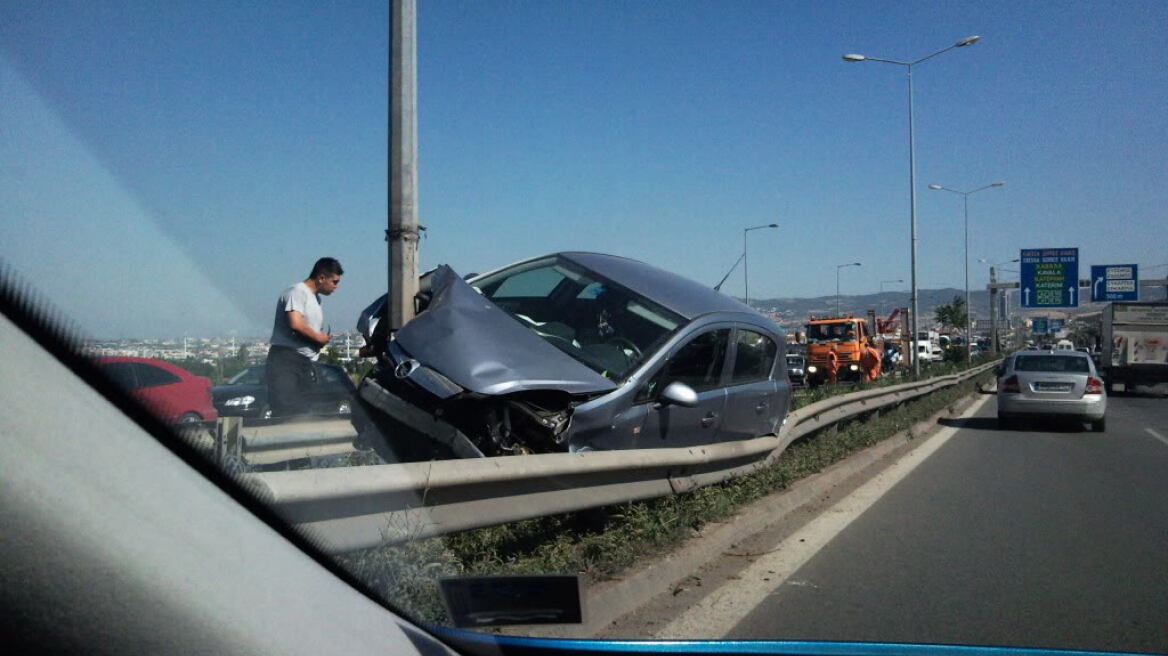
<point x="508" y="302"/>
<point x="818" y="333"/>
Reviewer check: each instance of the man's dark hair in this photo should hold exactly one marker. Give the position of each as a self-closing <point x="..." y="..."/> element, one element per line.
<point x="326" y="266"/>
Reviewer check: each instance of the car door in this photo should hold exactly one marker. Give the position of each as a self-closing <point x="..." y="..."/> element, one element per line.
<point x="700" y="363"/>
<point x="158" y="390"/>
<point x="329" y="394"/>
<point x="756" y="396"/>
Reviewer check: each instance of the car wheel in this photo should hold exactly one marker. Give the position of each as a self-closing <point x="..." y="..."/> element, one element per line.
<point x="190" y="418"/>
<point x="1099" y="425"/>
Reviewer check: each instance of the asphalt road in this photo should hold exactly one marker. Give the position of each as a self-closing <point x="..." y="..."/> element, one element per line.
<point x="1048" y="536"/>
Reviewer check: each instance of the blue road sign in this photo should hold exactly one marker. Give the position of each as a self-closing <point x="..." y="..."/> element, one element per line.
<point x="1039" y="325"/>
<point x="1115" y="282"/>
<point x="1050" y="277"/>
<point x="1057" y="325"/>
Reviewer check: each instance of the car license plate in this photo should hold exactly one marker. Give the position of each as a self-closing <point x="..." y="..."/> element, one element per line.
<point x="1053" y="387"/>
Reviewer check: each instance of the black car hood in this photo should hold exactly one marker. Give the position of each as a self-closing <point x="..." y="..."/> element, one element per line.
<point x="476" y="344"/>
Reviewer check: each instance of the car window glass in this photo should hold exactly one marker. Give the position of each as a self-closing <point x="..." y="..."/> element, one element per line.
<point x="331" y="375"/>
<point x="699" y="363"/>
<point x="592" y="290"/>
<point x="754" y="357"/>
<point x="530" y="284"/>
<point x="249" y="376"/>
<point x="122" y="373"/>
<point x="150" y="376"/>
<point x="1052" y="363"/>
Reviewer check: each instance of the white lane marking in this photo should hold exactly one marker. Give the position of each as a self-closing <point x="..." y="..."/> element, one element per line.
<point x="1157" y="435"/>
<point x="718" y="612"/>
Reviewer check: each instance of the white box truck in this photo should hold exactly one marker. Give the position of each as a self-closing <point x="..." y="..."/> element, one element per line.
<point x="1134" y="344"/>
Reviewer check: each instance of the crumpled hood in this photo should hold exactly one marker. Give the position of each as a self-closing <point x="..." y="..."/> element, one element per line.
<point x="476" y="344"/>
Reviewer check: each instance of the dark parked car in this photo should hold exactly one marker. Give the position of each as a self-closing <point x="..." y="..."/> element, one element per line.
<point x="797" y="370"/>
<point x="174" y="394"/>
<point x="571" y="352"/>
<point x="246" y="394"/>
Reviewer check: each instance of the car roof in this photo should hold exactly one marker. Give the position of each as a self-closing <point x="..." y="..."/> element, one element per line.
<point x="677" y="293"/>
<point x="161" y="364"/>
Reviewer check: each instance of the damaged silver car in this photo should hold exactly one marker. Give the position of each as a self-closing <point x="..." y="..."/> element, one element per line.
<point x="569" y="352"/>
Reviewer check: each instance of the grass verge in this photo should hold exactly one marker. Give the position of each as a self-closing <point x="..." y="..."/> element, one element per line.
<point x="600" y="543"/>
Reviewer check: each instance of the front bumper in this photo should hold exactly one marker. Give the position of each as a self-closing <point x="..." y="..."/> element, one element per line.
<point x="1090" y="408"/>
<point x="844" y="373"/>
<point x="247" y="412"/>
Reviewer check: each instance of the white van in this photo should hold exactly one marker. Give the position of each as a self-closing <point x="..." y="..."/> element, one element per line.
<point x="925" y="351"/>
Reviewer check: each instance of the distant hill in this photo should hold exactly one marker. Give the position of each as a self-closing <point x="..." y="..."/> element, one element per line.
<point x="794" y="311"/>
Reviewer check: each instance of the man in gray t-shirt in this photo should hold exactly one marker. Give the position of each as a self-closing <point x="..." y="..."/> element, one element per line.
<point x="297" y="337"/>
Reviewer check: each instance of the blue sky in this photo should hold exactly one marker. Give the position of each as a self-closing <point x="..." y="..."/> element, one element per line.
<point x="167" y="168"/>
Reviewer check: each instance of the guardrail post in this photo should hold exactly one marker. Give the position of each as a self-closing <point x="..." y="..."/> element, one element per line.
<point x="227" y="442"/>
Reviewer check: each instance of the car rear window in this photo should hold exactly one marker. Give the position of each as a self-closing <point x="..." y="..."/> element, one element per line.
<point x="1052" y="363"/>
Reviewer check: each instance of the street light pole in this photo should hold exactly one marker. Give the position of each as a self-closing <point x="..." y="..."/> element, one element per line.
<point x="912" y="175"/>
<point x="745" y="276"/>
<point x="968" y="310"/>
<point x="837" y="293"/>
<point x="882" y="282"/>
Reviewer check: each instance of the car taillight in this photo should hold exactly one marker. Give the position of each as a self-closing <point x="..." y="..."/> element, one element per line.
<point x="1010" y="385"/>
<point x="1094" y="386"/>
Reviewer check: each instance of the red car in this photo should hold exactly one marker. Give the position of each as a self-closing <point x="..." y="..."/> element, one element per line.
<point x="174" y="394"/>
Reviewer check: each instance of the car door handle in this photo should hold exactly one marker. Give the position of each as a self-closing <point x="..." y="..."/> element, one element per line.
<point x="761" y="407"/>
<point x="709" y="420"/>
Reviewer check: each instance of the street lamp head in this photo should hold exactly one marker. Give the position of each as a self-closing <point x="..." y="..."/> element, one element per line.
<point x="775" y="225"/>
<point x="854" y="58"/>
<point x="967" y="41"/>
<point x="857" y="264"/>
<point x="935" y="187"/>
<point x="997" y="184"/>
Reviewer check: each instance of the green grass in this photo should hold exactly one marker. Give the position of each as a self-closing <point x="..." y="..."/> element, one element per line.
<point x="599" y="544"/>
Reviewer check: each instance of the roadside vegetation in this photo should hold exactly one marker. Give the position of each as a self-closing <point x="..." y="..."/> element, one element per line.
<point x="599" y="544"/>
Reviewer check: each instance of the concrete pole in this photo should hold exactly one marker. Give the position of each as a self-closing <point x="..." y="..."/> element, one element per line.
<point x="402" y="234"/>
<point x="912" y="187"/>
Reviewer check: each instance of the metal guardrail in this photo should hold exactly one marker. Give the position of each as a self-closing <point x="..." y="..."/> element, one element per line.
<point x="271" y="442"/>
<point x="352" y="508"/>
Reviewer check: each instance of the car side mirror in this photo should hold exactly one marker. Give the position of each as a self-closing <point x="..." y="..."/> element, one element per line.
<point x="678" y="393"/>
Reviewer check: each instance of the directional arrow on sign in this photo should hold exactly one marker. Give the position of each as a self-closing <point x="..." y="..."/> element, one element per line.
<point x="1026" y="296"/>
<point x="1095" y="289"/>
<point x="1072" y="290"/>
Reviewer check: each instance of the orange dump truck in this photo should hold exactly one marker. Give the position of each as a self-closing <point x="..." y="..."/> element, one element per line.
<point x="847" y="334"/>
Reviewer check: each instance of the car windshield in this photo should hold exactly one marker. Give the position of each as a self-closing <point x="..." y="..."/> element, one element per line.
<point x="599" y="323"/>
<point x="1052" y="363"/>
<point x="249" y="376"/>
<point x="527" y="441"/>
<point x="822" y="333"/>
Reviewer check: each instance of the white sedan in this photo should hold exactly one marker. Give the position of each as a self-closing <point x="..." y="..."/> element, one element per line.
<point x="1062" y="384"/>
